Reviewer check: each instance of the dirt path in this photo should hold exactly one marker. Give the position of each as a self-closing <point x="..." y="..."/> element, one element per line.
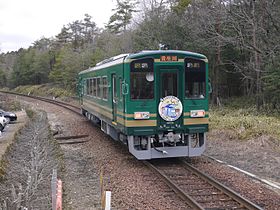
<point x="260" y="156"/>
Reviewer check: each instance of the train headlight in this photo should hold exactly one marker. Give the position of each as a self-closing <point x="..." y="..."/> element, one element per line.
<point x="197" y="113"/>
<point x="141" y="115"/>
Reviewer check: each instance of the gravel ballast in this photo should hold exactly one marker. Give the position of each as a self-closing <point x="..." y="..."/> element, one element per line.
<point x="133" y="185"/>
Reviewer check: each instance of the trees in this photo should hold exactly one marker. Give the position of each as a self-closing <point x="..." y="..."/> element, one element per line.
<point x="120" y="20"/>
<point x="156" y="26"/>
<point x="79" y="33"/>
<point x="3" y="78"/>
<point x="68" y="63"/>
<point x="33" y="65"/>
<point x="272" y="83"/>
<point x="240" y="39"/>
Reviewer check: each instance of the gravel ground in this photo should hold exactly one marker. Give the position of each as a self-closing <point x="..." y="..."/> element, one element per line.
<point x="133" y="185"/>
<point x="247" y="187"/>
<point x="29" y="163"/>
<point x="260" y="156"/>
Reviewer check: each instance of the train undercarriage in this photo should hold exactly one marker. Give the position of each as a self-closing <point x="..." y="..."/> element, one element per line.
<point x="164" y="145"/>
<point x="167" y="145"/>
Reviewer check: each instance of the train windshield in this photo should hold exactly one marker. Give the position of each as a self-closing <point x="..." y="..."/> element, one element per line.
<point x="195" y="78"/>
<point x="142" y="79"/>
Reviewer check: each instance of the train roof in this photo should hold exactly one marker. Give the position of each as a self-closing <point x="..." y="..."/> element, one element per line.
<point x="123" y="57"/>
<point x="162" y="52"/>
<point x="106" y="63"/>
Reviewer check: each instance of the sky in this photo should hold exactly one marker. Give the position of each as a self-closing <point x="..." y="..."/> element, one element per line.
<point x="24" y="21"/>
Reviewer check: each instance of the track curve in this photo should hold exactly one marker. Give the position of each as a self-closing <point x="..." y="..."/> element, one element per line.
<point x="70" y="107"/>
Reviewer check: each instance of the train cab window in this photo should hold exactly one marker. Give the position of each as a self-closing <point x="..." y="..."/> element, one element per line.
<point x="98" y="88"/>
<point x="142" y="79"/>
<point x="105" y="87"/>
<point x="195" y="79"/>
<point x="169" y="84"/>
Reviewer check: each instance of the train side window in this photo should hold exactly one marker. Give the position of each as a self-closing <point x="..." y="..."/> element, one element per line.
<point x="94" y="87"/>
<point x="98" y="88"/>
<point x="105" y="87"/>
<point x="121" y="87"/>
<point x="88" y="86"/>
<point x="91" y="87"/>
<point x="195" y="79"/>
<point x="142" y="79"/>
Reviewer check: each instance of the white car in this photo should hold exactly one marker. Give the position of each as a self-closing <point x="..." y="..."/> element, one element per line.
<point x="3" y="122"/>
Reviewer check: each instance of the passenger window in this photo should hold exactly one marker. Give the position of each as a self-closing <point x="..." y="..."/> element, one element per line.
<point x="94" y="87"/>
<point x="98" y="88"/>
<point x="88" y="86"/>
<point x="91" y="87"/>
<point x="105" y="87"/>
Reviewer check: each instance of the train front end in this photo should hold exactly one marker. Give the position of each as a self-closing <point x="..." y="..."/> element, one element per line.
<point x="166" y="95"/>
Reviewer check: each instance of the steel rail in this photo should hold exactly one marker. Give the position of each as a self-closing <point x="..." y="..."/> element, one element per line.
<point x="60" y="103"/>
<point x="37" y="97"/>
<point x="243" y="202"/>
<point x="71" y="137"/>
<point x="232" y="194"/>
<point x="175" y="187"/>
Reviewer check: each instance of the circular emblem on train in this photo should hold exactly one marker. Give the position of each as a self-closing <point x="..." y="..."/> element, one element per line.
<point x="170" y="108"/>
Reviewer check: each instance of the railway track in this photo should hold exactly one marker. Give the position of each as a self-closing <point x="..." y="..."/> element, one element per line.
<point x="70" y="107"/>
<point x="199" y="190"/>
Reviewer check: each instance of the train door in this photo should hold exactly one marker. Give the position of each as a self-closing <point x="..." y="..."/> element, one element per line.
<point x="114" y="98"/>
<point x="170" y="106"/>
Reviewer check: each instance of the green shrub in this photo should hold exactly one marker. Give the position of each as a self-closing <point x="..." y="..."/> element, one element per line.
<point x="244" y="122"/>
<point x="30" y="113"/>
<point x="45" y="90"/>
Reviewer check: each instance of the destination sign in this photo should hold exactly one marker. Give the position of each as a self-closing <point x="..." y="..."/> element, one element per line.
<point x="193" y="65"/>
<point x="168" y="58"/>
<point x="141" y="65"/>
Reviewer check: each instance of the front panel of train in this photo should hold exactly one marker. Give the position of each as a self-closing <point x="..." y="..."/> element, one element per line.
<point x="168" y="105"/>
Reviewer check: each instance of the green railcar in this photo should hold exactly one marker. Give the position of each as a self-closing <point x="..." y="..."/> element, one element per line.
<point x="156" y="102"/>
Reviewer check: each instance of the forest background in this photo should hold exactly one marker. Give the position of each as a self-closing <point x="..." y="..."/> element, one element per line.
<point x="239" y="37"/>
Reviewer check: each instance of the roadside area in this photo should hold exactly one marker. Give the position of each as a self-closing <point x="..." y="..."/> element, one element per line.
<point x="246" y="138"/>
<point x="8" y="134"/>
<point x="30" y="158"/>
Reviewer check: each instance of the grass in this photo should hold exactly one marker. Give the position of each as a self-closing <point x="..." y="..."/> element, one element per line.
<point x="240" y="116"/>
<point x="2" y="169"/>
<point x="9" y="104"/>
<point x="44" y="90"/>
<point x="237" y="114"/>
<point x="30" y="113"/>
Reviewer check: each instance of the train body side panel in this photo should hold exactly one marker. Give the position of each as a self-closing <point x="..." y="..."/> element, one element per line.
<point x="99" y="106"/>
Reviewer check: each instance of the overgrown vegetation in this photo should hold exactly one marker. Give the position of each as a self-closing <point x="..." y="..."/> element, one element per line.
<point x="30" y="113"/>
<point x="246" y="122"/>
<point x="2" y="169"/>
<point x="7" y="103"/>
<point x="49" y="90"/>
<point x="31" y="159"/>
<point x="240" y="38"/>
